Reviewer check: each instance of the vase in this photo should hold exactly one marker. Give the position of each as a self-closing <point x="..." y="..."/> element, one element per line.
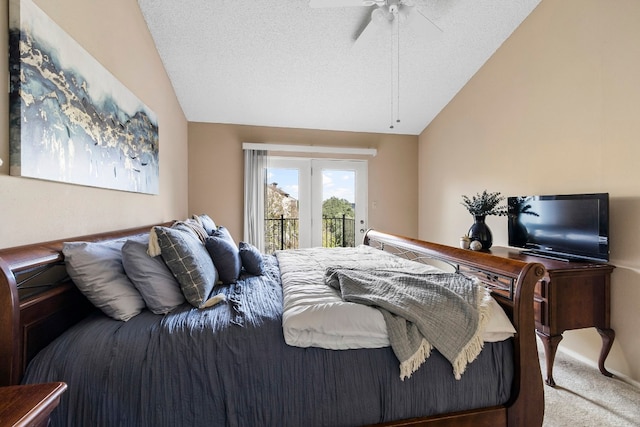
<point x="480" y="231"/>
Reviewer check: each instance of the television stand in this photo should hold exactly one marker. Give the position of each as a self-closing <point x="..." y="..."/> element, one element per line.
<point x="571" y="295"/>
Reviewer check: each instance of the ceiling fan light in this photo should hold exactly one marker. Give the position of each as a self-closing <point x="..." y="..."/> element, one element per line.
<point x="381" y="15"/>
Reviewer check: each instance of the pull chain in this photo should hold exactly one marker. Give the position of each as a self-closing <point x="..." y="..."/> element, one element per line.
<point x="395" y="67"/>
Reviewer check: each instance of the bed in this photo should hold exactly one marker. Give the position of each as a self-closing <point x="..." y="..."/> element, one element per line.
<point x="242" y="372"/>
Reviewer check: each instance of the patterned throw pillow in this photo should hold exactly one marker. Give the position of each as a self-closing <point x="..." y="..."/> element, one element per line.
<point x="189" y="262"/>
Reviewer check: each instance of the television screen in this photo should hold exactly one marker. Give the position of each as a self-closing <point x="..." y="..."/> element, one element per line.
<point x="574" y="226"/>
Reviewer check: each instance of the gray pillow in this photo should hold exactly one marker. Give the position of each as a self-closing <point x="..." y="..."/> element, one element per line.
<point x="189" y="262"/>
<point x="225" y="256"/>
<point x="152" y="278"/>
<point x="251" y="259"/>
<point x="224" y="233"/>
<point x="96" y="269"/>
<point x="206" y="222"/>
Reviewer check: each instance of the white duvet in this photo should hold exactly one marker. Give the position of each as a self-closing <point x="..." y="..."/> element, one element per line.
<point x="315" y="315"/>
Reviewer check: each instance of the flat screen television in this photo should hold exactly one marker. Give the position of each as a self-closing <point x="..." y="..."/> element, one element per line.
<point x="567" y="227"/>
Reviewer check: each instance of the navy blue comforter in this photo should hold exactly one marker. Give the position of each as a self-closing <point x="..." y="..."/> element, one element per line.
<point x="229" y="366"/>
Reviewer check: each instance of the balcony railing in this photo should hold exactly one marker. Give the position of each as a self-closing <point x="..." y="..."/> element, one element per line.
<point x="281" y="233"/>
<point x="284" y="233"/>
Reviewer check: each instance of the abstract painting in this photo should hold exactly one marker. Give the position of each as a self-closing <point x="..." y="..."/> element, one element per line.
<point x="70" y="119"/>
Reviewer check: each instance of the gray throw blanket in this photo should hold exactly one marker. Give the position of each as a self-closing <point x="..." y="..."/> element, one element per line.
<point x="421" y="311"/>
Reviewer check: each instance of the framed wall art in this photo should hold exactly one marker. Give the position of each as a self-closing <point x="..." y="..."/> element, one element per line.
<point x="70" y="120"/>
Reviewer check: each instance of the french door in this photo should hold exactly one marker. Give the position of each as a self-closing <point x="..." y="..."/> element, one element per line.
<point x="325" y="201"/>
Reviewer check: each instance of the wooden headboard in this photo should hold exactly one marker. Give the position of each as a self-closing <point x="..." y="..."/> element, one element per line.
<point x="38" y="301"/>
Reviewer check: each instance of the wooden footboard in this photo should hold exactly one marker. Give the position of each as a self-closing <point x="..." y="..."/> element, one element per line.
<point x="512" y="284"/>
<point x="38" y="302"/>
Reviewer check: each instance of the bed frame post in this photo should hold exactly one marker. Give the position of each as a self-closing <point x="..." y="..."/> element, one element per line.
<point x="9" y="325"/>
<point x="526" y="406"/>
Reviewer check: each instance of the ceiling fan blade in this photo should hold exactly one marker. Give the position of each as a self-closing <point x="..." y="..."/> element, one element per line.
<point x="422" y="26"/>
<point x="362" y="23"/>
<point x="378" y="27"/>
<point x="342" y="3"/>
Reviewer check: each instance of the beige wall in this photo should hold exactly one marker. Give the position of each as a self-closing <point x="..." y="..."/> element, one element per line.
<point x="216" y="168"/>
<point x="115" y="33"/>
<point x="555" y="110"/>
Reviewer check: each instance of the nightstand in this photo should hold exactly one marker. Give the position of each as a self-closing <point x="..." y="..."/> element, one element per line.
<point x="30" y="404"/>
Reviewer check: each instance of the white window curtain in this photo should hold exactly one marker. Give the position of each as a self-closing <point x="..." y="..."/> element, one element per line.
<point x="255" y="170"/>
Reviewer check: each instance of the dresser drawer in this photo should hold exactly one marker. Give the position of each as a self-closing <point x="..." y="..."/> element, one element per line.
<point x="498" y="284"/>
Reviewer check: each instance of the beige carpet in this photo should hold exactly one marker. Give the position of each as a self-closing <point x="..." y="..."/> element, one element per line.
<point x="583" y="397"/>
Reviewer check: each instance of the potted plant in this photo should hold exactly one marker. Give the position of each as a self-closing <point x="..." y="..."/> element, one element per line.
<point x="480" y="206"/>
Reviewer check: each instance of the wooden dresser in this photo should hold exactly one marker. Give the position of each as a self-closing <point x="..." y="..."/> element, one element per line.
<point x="29" y="405"/>
<point x="572" y="295"/>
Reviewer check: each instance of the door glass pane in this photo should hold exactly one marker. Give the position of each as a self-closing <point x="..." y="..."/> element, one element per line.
<point x="338" y="208"/>
<point x="282" y="229"/>
<point x="314" y="202"/>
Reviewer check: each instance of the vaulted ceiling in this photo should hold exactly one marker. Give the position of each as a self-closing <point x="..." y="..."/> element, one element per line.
<point x="285" y="63"/>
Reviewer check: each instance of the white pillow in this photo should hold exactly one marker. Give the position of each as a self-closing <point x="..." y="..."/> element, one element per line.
<point x="499" y="327"/>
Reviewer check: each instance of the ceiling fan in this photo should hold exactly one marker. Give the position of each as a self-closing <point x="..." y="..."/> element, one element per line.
<point x="387" y="15"/>
<point x="386" y="18"/>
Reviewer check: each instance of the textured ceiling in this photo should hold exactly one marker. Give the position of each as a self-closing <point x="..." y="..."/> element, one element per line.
<point x="283" y="63"/>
